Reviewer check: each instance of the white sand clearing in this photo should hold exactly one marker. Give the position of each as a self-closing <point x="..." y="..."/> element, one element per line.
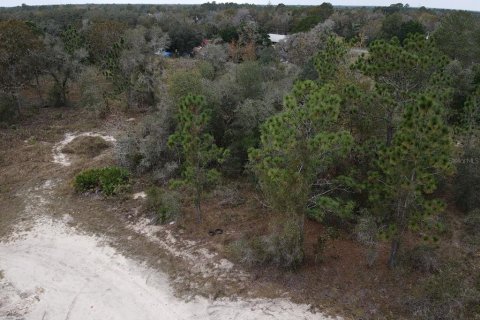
<point x="140" y="195"/>
<point x="63" y="159"/>
<point x="200" y="260"/>
<point x="52" y="271"/>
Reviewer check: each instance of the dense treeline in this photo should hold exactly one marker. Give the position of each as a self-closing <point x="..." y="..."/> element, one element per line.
<point x="363" y="119"/>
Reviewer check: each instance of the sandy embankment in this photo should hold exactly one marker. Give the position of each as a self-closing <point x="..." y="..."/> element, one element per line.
<point x="50" y="270"/>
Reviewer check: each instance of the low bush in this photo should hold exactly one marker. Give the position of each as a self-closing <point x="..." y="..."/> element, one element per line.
<point x="109" y="180"/>
<point x="228" y="196"/>
<point x="206" y="70"/>
<point x="422" y="258"/>
<point x="366" y="232"/>
<point x="467" y="180"/>
<point x="453" y="293"/>
<point x="8" y="109"/>
<point x="471" y="236"/>
<point x="145" y="148"/>
<point x="94" y="89"/>
<point x="56" y="97"/>
<point x="164" y="204"/>
<point x="283" y="247"/>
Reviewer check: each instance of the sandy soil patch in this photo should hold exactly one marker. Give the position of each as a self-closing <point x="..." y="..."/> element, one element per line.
<point x="52" y="271"/>
<point x="86" y="146"/>
<point x="62" y="158"/>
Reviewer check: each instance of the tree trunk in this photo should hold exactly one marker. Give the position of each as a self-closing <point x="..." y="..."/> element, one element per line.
<point x="64" y="91"/>
<point x="16" y="98"/>
<point x="39" y="91"/>
<point x="129" y="97"/>
<point x="198" y="209"/>
<point x="392" y="260"/>
<point x="389" y="135"/>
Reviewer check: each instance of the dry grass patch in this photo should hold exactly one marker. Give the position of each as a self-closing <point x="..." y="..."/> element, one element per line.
<point x="86" y="146"/>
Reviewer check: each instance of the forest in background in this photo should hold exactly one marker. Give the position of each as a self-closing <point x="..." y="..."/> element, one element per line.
<point x="364" y="121"/>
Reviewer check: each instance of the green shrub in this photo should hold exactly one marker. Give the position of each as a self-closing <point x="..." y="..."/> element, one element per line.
<point x="145" y="148"/>
<point x="109" y="180"/>
<point x="366" y="232"/>
<point x="283" y="247"/>
<point x="207" y="70"/>
<point x="94" y="89"/>
<point x="56" y="96"/>
<point x="164" y="204"/>
<point x="471" y="236"/>
<point x="87" y="180"/>
<point x="453" y="293"/>
<point x="467" y="180"/>
<point x="422" y="258"/>
<point x="8" y="108"/>
<point x="184" y="82"/>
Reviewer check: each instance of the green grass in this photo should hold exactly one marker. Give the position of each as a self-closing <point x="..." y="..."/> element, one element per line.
<point x="108" y="180"/>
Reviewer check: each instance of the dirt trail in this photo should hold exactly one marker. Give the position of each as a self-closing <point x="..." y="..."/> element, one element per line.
<point x="50" y="269"/>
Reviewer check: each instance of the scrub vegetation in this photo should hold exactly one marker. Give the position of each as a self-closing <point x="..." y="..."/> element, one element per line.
<point x="345" y="155"/>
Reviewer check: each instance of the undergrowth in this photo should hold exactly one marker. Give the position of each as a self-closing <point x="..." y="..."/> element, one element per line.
<point x="108" y="180"/>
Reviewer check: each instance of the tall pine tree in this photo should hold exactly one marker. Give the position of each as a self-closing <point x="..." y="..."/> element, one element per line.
<point x="197" y="148"/>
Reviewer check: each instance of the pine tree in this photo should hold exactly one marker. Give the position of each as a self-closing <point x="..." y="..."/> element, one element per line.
<point x="197" y="148"/>
<point x="467" y="180"/>
<point x="402" y="73"/>
<point x="408" y="171"/>
<point x="298" y="147"/>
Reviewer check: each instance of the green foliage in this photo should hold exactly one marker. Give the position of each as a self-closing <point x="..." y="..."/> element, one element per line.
<point x="229" y="34"/>
<point x="8" y="108"/>
<point x="403" y="70"/>
<point x="467" y="179"/>
<point x="283" y="247"/>
<point x="391" y="25"/>
<point x="410" y="28"/>
<point x="145" y="149"/>
<point x="471" y="232"/>
<point x="458" y="36"/>
<point x="55" y="96"/>
<point x="165" y="204"/>
<point x="19" y="50"/>
<point x="408" y="170"/>
<point x="395" y="26"/>
<point x="314" y="16"/>
<point x="307" y="23"/>
<point x="183" y="83"/>
<point x="215" y="55"/>
<point x="249" y="79"/>
<point x="197" y="147"/>
<point x="366" y="231"/>
<point x="298" y="146"/>
<point x="401" y="74"/>
<point x="112" y="69"/>
<point x="453" y="293"/>
<point x="251" y="33"/>
<point x="108" y="180"/>
<point x="207" y="70"/>
<point x="72" y="40"/>
<point x="329" y="60"/>
<point x="94" y="89"/>
<point x="184" y="38"/>
<point x="423" y="258"/>
<point x="101" y="38"/>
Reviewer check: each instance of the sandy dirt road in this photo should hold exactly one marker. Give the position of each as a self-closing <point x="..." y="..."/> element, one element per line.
<point x="51" y="270"/>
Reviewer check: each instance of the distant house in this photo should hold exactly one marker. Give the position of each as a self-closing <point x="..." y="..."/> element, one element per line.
<point x="276" y="38"/>
<point x="164" y="53"/>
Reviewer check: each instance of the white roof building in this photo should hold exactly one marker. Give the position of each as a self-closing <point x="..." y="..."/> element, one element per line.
<point x="276" y="38"/>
